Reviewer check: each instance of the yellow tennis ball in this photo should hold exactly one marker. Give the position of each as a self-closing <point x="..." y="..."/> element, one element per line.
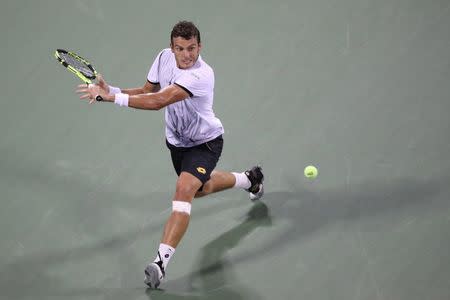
<point x="311" y="172"/>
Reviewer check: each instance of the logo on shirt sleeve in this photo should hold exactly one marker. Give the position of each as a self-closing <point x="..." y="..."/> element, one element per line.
<point x="195" y="75"/>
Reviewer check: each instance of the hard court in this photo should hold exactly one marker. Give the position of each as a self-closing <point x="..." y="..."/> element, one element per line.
<point x="359" y="89"/>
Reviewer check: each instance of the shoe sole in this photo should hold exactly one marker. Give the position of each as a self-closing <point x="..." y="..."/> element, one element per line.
<point x="258" y="195"/>
<point x="152" y="277"/>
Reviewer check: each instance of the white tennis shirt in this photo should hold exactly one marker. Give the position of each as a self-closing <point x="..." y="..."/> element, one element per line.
<point x="189" y="122"/>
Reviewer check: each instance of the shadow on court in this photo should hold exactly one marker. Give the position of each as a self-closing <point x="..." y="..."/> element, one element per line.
<point x="215" y="278"/>
<point x="309" y="212"/>
<point x="306" y="211"/>
<point x="30" y="276"/>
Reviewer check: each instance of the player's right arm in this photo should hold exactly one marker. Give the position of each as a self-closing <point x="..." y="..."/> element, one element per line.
<point x="147" y="88"/>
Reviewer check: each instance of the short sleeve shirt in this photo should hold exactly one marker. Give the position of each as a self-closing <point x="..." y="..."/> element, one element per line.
<point x="189" y="122"/>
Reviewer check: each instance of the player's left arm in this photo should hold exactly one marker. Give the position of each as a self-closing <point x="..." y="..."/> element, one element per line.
<point x="149" y="101"/>
<point x="155" y="101"/>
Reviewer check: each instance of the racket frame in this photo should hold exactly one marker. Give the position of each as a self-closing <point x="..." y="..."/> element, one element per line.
<point x="86" y="79"/>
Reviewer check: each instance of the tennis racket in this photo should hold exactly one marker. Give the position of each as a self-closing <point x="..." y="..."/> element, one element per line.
<point x="77" y="65"/>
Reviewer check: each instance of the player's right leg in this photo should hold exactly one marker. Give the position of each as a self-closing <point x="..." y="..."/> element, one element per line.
<point x="193" y="166"/>
<point x="175" y="228"/>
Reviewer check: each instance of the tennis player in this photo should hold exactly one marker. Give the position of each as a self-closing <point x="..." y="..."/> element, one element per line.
<point x="180" y="81"/>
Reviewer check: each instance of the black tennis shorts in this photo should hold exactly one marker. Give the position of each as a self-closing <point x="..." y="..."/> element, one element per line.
<point x="198" y="160"/>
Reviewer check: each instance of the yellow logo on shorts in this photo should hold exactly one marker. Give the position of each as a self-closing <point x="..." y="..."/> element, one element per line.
<point x="201" y="170"/>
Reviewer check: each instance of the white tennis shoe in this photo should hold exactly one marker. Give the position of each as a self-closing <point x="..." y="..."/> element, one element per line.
<point x="154" y="274"/>
<point x="256" y="177"/>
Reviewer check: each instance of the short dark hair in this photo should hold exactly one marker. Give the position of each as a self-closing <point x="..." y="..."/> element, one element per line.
<point x="186" y="30"/>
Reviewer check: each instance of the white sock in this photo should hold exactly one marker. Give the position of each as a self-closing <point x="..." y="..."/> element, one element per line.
<point x="241" y="180"/>
<point x="165" y="253"/>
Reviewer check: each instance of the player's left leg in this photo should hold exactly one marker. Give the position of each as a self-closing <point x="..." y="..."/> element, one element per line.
<point x="250" y="180"/>
<point x="219" y="181"/>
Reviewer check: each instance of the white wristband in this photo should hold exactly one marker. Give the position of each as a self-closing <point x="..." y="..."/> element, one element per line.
<point x="121" y="99"/>
<point x="114" y="90"/>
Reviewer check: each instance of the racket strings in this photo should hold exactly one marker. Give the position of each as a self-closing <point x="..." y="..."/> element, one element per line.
<point x="77" y="64"/>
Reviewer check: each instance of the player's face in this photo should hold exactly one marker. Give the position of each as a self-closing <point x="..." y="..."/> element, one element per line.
<point x="186" y="51"/>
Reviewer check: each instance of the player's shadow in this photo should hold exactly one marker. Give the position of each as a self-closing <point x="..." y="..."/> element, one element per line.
<point x="31" y="276"/>
<point x="37" y="276"/>
<point x="309" y="211"/>
<point x="214" y="278"/>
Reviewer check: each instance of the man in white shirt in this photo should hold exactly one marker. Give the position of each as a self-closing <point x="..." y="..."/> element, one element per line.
<point x="182" y="83"/>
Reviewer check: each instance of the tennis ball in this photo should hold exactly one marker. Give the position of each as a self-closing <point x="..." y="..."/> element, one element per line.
<point x="311" y="172"/>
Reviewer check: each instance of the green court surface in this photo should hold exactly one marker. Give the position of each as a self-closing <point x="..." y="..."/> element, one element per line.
<point x="359" y="89"/>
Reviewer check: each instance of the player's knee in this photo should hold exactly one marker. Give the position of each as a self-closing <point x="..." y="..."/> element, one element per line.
<point x="185" y="190"/>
